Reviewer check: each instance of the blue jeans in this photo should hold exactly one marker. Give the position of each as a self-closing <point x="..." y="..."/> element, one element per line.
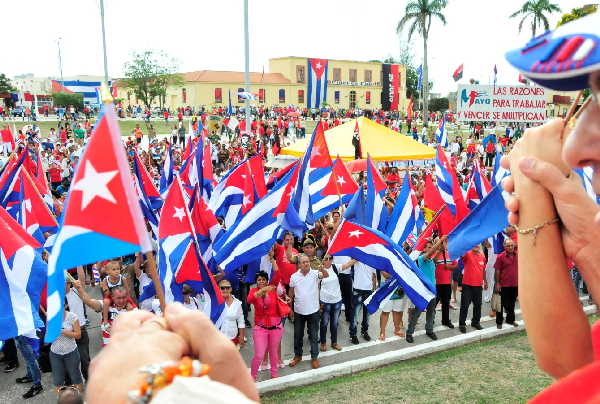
<point x="358" y="297"/>
<point x="330" y="315"/>
<point x="33" y="370"/>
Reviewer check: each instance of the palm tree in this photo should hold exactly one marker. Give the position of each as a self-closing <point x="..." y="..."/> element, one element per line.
<point x="417" y="16"/>
<point x="537" y="10"/>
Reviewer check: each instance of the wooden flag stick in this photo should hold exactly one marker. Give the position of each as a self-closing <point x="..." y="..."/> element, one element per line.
<point x="153" y="274"/>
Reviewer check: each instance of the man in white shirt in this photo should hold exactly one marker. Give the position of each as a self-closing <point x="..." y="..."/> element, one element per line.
<point x="304" y="292"/>
<point x="365" y="282"/>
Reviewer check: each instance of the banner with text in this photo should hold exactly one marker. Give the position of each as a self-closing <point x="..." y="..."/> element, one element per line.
<point x="500" y="103"/>
<point x="390" y="93"/>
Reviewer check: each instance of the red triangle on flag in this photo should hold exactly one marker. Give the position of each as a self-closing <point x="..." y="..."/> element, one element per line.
<point x="340" y="181"/>
<point x="353" y="235"/>
<point x="14" y="236"/>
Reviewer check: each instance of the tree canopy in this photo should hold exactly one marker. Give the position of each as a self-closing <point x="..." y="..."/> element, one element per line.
<point x="149" y="73"/>
<point x="537" y="11"/>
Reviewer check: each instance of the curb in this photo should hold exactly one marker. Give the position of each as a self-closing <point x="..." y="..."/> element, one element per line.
<point x="358" y="365"/>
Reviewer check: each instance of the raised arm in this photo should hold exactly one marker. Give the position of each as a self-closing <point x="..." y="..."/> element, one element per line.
<point x="91" y="303"/>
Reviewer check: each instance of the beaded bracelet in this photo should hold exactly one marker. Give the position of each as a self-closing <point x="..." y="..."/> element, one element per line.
<point x="536" y="228"/>
<point x="161" y="375"/>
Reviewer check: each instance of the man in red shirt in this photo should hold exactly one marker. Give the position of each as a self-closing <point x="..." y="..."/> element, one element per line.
<point x="506" y="280"/>
<point x="443" y="280"/>
<point x="285" y="267"/>
<point x="473" y="278"/>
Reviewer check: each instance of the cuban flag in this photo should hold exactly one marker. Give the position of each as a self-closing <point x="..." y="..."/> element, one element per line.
<point x="257" y="169"/>
<point x="254" y="234"/>
<point x="245" y="95"/>
<point x="198" y="170"/>
<point x="443" y="174"/>
<point x="144" y="184"/>
<point x="167" y="173"/>
<point x="208" y="229"/>
<point x="315" y="170"/>
<point x="381" y="295"/>
<point x="479" y="186"/>
<point x="9" y="178"/>
<point x="586" y="175"/>
<point x="22" y="278"/>
<point x="233" y="197"/>
<point x="41" y="181"/>
<point x="340" y="182"/>
<point x="441" y="133"/>
<point x="317" y="82"/>
<point x="406" y="217"/>
<point x="102" y="216"/>
<point x="499" y="172"/>
<point x="368" y="208"/>
<point x="377" y="250"/>
<point x="30" y="210"/>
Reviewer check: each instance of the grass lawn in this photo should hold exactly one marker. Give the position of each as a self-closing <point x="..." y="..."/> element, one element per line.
<point x="500" y="370"/>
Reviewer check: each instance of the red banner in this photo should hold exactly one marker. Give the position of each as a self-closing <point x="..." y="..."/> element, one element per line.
<point x="390" y="96"/>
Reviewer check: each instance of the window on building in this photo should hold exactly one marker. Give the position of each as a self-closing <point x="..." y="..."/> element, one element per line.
<point x="240" y="99"/>
<point x="352" y="75"/>
<point x="261" y="95"/>
<point x="367" y="96"/>
<point x="300" y="76"/>
<point x="218" y="95"/>
<point x="368" y="76"/>
<point x="337" y="74"/>
<point x="282" y="96"/>
<point x="300" y="96"/>
<point x="184" y="95"/>
<point x="336" y="97"/>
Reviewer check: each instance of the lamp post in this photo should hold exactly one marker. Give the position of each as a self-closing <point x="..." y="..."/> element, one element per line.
<point x="60" y="61"/>
<point x="104" y="42"/>
<point x="247" y="66"/>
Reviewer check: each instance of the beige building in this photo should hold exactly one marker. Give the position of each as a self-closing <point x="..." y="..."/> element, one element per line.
<point x="349" y="84"/>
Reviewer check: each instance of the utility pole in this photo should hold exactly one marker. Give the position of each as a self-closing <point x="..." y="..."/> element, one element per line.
<point x="60" y="61"/>
<point x="247" y="67"/>
<point x="104" y="42"/>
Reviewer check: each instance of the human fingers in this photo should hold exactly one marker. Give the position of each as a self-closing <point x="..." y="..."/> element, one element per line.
<point x="130" y="321"/>
<point x="211" y="347"/>
<point x="505" y="162"/>
<point x="512" y="203"/>
<point x="513" y="218"/>
<point x="546" y="174"/>
<point x="508" y="184"/>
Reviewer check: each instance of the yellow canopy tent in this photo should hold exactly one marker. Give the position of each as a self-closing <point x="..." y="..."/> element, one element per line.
<point x="376" y="140"/>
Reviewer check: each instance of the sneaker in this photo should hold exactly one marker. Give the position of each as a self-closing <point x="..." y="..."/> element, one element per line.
<point x="33" y="391"/>
<point x="354" y="340"/>
<point x="409" y="338"/>
<point x="432" y="335"/>
<point x="24" y="379"/>
<point x="366" y="336"/>
<point x="477" y="326"/>
<point x="11" y="367"/>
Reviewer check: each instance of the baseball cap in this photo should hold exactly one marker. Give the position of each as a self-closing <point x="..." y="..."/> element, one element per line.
<point x="561" y="59"/>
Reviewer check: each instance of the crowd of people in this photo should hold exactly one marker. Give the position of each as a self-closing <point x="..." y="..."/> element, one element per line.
<point x="298" y="281"/>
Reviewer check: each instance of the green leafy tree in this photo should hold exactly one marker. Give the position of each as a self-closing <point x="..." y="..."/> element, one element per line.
<point x="577" y="13"/>
<point x="5" y="88"/>
<point x="149" y="73"/>
<point x="66" y="99"/>
<point x="538" y="11"/>
<point x="418" y="16"/>
<point x="439" y="104"/>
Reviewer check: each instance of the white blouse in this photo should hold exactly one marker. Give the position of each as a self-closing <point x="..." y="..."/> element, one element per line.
<point x="233" y="319"/>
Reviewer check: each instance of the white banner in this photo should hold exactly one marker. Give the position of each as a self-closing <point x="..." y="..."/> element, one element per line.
<point x="500" y="103"/>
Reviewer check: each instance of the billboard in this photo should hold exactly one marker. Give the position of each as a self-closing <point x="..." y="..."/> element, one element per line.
<point x="390" y="93"/>
<point x="500" y="103"/>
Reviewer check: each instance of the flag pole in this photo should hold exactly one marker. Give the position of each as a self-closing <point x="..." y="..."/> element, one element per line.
<point x="153" y="274"/>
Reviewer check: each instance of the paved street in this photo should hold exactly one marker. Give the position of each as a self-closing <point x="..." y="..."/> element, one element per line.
<point x="10" y="392"/>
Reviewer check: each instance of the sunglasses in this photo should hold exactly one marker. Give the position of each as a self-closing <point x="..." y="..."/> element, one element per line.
<point x="225" y="287"/>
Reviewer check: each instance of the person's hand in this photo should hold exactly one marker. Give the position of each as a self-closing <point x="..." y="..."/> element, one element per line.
<point x="485" y="285"/>
<point x="538" y="157"/>
<point x="138" y="338"/>
<point x="497" y="287"/>
<point x="77" y="285"/>
<point x="211" y="347"/>
<point x="242" y="343"/>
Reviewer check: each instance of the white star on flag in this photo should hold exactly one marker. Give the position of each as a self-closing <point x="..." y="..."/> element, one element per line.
<point x="94" y="184"/>
<point x="355" y="233"/>
<point x="179" y="213"/>
<point x="27" y="203"/>
<point x="318" y="65"/>
<point x="341" y="180"/>
<point x="246" y="200"/>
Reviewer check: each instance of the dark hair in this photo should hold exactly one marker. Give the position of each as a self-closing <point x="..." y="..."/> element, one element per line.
<point x="262" y="274"/>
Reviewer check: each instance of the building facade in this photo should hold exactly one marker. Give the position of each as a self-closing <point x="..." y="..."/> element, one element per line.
<point x="350" y="84"/>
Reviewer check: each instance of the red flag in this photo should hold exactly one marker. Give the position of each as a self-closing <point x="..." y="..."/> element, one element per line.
<point x="458" y="73"/>
<point x="258" y="175"/>
<point x="433" y="201"/>
<point x="380" y="184"/>
<point x="340" y="180"/>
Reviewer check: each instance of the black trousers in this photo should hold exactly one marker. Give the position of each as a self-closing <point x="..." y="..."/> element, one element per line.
<point x="10" y="351"/>
<point x="83" y="346"/>
<point x="508" y="297"/>
<point x="489" y="159"/>
<point x="346" y="289"/>
<point x="470" y="294"/>
<point x="312" y="322"/>
<point x="444" y="293"/>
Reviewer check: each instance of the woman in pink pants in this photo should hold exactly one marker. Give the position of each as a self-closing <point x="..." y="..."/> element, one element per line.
<point x="268" y="325"/>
